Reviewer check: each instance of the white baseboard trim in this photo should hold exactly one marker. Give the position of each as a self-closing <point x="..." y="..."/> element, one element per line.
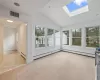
<point x="81" y="53"/>
<point x="75" y="52"/>
<point x="45" y="54"/>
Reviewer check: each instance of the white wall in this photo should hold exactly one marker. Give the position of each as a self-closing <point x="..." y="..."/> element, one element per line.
<point x="21" y="43"/>
<point x="83" y="47"/>
<point x="32" y="21"/>
<point x="9" y="39"/>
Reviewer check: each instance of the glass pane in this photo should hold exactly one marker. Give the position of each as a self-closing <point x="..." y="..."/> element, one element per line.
<point x="92" y="31"/>
<point x="57" y="38"/>
<point x="39" y="31"/>
<point x="49" y="41"/>
<point x="76" y="32"/>
<point x="39" y="37"/>
<point x="50" y="32"/>
<point x="92" y="42"/>
<point x="76" y="41"/>
<point x="65" y="40"/>
<point x="50" y="37"/>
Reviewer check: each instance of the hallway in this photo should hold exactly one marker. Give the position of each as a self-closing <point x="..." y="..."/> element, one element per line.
<point x="11" y="59"/>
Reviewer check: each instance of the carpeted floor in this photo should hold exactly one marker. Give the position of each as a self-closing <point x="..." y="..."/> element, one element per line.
<point x="60" y="66"/>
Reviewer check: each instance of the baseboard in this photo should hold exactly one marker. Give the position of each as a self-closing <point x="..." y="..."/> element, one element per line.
<point x="45" y="54"/>
<point x="80" y="53"/>
<point x="52" y="52"/>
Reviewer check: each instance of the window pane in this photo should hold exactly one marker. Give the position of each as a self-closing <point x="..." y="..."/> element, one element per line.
<point x="65" y="40"/>
<point x="76" y="32"/>
<point x="92" y="42"/>
<point x="50" y="32"/>
<point x="57" y="38"/>
<point x="76" y="41"/>
<point x="92" y="31"/>
<point x="39" y="37"/>
<point x="50" y="37"/>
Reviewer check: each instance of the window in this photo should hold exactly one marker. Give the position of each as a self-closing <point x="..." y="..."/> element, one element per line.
<point x="50" y="37"/>
<point x="76" y="7"/>
<point x="65" y="40"/>
<point x="76" y="37"/>
<point x="92" y="37"/>
<point x="57" y="38"/>
<point x="39" y="37"/>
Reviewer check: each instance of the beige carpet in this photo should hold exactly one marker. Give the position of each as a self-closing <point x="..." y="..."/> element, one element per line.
<point x="60" y="66"/>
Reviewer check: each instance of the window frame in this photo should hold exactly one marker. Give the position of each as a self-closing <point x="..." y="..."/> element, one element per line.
<point x="44" y="36"/>
<point x="98" y="37"/>
<point x="67" y="37"/>
<point x="57" y="37"/>
<point x="53" y="37"/>
<point x="80" y="37"/>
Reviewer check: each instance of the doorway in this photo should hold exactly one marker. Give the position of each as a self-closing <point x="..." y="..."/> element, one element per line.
<point x="13" y="43"/>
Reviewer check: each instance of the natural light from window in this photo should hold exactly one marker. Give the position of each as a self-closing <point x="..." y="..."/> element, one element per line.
<point x="76" y="7"/>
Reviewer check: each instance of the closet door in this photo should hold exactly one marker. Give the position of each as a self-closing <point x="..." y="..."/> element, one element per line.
<point x="1" y="42"/>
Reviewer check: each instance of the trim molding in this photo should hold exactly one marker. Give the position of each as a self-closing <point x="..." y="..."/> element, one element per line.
<point x="69" y="51"/>
<point x="80" y="53"/>
<point x="45" y="54"/>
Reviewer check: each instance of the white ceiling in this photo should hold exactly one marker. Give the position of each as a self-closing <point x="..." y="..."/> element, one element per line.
<point x="53" y="10"/>
<point x="58" y="15"/>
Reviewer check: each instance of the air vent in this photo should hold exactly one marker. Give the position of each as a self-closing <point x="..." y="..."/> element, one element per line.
<point x="15" y="14"/>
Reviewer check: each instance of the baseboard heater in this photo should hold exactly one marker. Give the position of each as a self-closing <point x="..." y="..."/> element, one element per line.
<point x="45" y="54"/>
<point x="70" y="51"/>
<point x="79" y="53"/>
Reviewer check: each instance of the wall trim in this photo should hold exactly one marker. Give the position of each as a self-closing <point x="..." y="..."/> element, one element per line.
<point x="45" y="54"/>
<point x="69" y="51"/>
<point x="79" y="53"/>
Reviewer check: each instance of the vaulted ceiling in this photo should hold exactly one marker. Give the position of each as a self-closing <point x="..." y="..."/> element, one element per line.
<point x="53" y="10"/>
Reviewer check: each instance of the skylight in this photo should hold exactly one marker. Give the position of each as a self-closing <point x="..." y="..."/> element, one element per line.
<point x="76" y="7"/>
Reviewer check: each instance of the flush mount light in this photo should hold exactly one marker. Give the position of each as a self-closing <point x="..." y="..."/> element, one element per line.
<point x="9" y="21"/>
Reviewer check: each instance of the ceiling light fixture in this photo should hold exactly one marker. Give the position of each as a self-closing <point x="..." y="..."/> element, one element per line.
<point x="9" y="21"/>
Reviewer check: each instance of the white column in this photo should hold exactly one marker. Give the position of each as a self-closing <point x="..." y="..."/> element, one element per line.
<point x="30" y="43"/>
<point x="61" y="37"/>
<point x="70" y="37"/>
<point x="83" y="40"/>
<point x="54" y="38"/>
<point x="46" y="38"/>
